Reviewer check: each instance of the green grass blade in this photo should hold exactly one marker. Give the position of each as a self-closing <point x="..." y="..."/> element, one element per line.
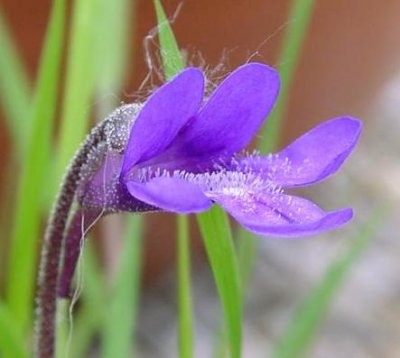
<point x="114" y="39"/>
<point x="79" y="87"/>
<point x="11" y="343"/>
<point x="121" y="313"/>
<point x="113" y="42"/>
<point x="89" y="52"/>
<point x="83" y="67"/>
<point x="247" y="245"/>
<point x="300" y="333"/>
<point x="185" y="323"/>
<point x="170" y="54"/>
<point x="14" y="88"/>
<point x="299" y="17"/>
<point x="23" y="257"/>
<point x="173" y="63"/>
<point x="62" y="328"/>
<point x="214" y="227"/>
<point x="301" y="12"/>
<point x="215" y="222"/>
<point x="93" y="305"/>
<point x="15" y="101"/>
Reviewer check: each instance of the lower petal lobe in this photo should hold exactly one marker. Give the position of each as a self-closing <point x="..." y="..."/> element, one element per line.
<point x="282" y="215"/>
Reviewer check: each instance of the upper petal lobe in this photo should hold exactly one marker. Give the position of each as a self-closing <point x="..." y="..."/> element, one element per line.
<point x="163" y="116"/>
<point x="232" y="115"/>
<point x="311" y="158"/>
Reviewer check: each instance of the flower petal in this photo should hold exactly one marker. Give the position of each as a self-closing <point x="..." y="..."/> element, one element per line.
<point x="170" y="194"/>
<point x="163" y="116"/>
<point x="282" y="215"/>
<point x="233" y="113"/>
<point x="311" y="158"/>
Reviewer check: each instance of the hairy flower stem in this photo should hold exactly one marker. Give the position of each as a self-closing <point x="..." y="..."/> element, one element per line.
<point x="52" y="247"/>
<point x="81" y="221"/>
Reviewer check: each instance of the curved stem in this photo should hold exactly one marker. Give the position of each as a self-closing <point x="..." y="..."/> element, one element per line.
<point x="48" y="275"/>
<point x="52" y="247"/>
<point x="81" y="222"/>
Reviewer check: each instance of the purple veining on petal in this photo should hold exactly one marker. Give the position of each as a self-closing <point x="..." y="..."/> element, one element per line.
<point x="282" y="215"/>
<point x="330" y="221"/>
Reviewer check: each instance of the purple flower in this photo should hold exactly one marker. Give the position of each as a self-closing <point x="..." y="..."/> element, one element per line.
<point x="178" y="154"/>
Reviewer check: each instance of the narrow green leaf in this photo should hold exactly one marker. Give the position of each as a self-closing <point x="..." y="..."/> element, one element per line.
<point x="84" y="65"/>
<point x="185" y="324"/>
<point x="23" y="258"/>
<point x="122" y="311"/>
<point x="115" y="36"/>
<point x="93" y="308"/>
<point x="299" y="17"/>
<point x="216" y="233"/>
<point x="247" y="245"/>
<point x="215" y="221"/>
<point x="170" y="54"/>
<point x="79" y="88"/>
<point x="96" y="50"/>
<point x="301" y="11"/>
<point x="62" y="328"/>
<point x="300" y="333"/>
<point x="14" y="88"/>
<point x="11" y="342"/>
<point x="173" y="63"/>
